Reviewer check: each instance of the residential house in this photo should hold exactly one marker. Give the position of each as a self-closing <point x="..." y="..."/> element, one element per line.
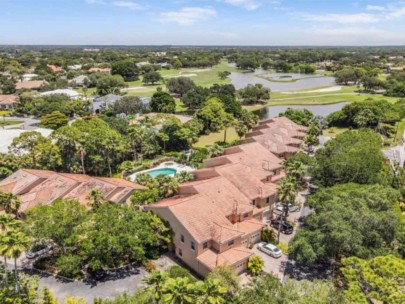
<point x="54" y="68"/>
<point x="219" y="215"/>
<point x="7" y="102"/>
<point x="79" y="80"/>
<point x="75" y="67"/>
<point x="30" y="85"/>
<point x="102" y="102"/>
<point x="28" y="77"/>
<point x="100" y="70"/>
<point x="279" y="135"/>
<point x="69" y="92"/>
<point x="213" y="222"/>
<point x="34" y="187"/>
<point x="7" y="136"/>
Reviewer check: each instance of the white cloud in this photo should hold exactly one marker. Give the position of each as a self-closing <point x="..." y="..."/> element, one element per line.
<point x="188" y="15"/>
<point x="342" y="18"/>
<point x="128" y="4"/>
<point x="95" y="1"/>
<point x="375" y="8"/>
<point x="247" y="4"/>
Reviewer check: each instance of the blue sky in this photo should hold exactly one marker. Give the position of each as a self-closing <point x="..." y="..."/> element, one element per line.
<point x="203" y="22"/>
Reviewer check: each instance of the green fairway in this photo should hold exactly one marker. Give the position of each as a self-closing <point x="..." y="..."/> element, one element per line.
<point x="308" y="97"/>
<point x="203" y="77"/>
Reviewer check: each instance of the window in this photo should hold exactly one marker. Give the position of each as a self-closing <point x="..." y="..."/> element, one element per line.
<point x="245" y="215"/>
<point x="231" y="243"/>
<point x="182" y="238"/>
<point x="192" y="245"/>
<point x="267" y="200"/>
<point x="205" y="245"/>
<point x="253" y="202"/>
<point x="180" y="252"/>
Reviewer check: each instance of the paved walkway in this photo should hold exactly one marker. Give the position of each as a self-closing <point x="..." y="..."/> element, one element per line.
<point x="126" y="280"/>
<point x="30" y="123"/>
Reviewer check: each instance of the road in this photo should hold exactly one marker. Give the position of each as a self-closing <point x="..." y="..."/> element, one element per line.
<point x="30" y="123"/>
<point x="120" y="281"/>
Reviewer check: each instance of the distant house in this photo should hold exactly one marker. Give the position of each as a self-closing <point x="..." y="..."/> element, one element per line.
<point x="142" y="63"/>
<point x="79" y="80"/>
<point x="99" y="70"/>
<point x="54" y="68"/>
<point x="28" y="77"/>
<point x="30" y="85"/>
<point x="69" y="92"/>
<point x="7" y="136"/>
<point x="75" y="67"/>
<point x="102" y="102"/>
<point x="7" y="101"/>
<point x="34" y="187"/>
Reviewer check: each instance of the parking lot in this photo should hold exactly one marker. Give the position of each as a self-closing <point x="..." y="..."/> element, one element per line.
<point x="277" y="265"/>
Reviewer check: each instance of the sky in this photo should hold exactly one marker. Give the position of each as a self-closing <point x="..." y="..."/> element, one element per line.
<point x="202" y="22"/>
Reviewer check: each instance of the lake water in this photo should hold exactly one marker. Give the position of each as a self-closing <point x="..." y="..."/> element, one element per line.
<point x="303" y="82"/>
<point x="321" y="110"/>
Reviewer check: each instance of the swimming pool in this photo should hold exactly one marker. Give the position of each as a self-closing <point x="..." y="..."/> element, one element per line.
<point x="163" y="171"/>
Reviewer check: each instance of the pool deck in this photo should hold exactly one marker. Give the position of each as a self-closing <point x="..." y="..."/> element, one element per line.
<point x="166" y="165"/>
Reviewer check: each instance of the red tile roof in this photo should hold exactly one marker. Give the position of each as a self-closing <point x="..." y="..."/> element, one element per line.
<point x="42" y="186"/>
<point x="230" y="257"/>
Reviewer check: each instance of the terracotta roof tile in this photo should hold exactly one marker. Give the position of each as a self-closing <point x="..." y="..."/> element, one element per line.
<point x="230" y="257"/>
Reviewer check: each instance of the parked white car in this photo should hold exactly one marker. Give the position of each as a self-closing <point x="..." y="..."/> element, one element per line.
<point x="278" y="209"/>
<point x="270" y="249"/>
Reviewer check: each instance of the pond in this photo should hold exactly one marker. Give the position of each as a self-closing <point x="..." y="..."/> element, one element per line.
<point x="280" y="82"/>
<point x="321" y="110"/>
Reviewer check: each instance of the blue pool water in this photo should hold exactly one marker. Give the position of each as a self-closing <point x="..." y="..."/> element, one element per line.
<point x="164" y="171"/>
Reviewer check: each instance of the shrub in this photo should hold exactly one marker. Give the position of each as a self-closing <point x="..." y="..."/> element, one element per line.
<point x="268" y="235"/>
<point x="69" y="266"/>
<point x="149" y="266"/>
<point x="180" y="272"/>
<point x="283" y="247"/>
<point x="255" y="265"/>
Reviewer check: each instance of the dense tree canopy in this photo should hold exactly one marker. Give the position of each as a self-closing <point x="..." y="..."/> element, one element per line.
<point x="350" y="220"/>
<point x="301" y="117"/>
<point x="162" y="102"/>
<point x="126" y="68"/>
<point x="354" y="156"/>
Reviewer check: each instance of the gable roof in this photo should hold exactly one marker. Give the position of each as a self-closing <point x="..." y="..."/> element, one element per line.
<point x="8" y="99"/>
<point x="31" y="84"/>
<point x="43" y="187"/>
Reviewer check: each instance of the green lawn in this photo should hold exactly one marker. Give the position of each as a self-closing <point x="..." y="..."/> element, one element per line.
<point x="334" y="131"/>
<point x="210" y="139"/>
<point x="10" y="122"/>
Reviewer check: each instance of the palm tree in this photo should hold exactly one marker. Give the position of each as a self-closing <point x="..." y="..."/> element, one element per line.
<point x="211" y="291"/>
<point x="167" y="185"/>
<point x="6" y="223"/>
<point x="156" y="281"/>
<point x="10" y="203"/>
<point x="229" y="121"/>
<point x="95" y="198"/>
<point x="178" y="291"/>
<point x="311" y="140"/>
<point x="286" y="194"/>
<point x="296" y="169"/>
<point x="13" y="245"/>
<point x="184" y="176"/>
